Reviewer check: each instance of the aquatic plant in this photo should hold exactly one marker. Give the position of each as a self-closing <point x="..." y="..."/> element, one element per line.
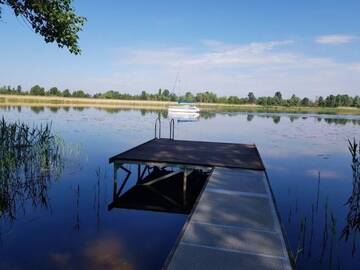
<point x="29" y="158"/>
<point x="323" y="241"/>
<point x="352" y="226"/>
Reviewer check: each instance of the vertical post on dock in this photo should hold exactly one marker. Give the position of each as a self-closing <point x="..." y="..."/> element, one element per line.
<point x="184" y="186"/>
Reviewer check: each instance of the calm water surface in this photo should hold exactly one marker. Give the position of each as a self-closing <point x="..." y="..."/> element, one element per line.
<point x="306" y="157"/>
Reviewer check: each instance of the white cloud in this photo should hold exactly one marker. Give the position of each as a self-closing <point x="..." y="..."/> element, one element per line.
<point x="231" y="69"/>
<point x="334" y="39"/>
<point x="215" y="54"/>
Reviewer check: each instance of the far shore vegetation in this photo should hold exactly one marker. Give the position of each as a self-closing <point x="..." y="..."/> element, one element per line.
<point x="37" y="95"/>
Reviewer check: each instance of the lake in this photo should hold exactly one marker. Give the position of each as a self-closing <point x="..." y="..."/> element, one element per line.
<point x="70" y="226"/>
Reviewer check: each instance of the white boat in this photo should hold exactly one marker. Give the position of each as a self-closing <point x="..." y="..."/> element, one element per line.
<point x="184" y="109"/>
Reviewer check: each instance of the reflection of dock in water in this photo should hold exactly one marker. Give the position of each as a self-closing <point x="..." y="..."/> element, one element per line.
<point x="161" y="190"/>
<point x="232" y="221"/>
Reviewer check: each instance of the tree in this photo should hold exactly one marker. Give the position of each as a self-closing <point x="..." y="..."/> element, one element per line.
<point x="233" y="100"/>
<point x="320" y="101"/>
<point x="262" y="101"/>
<point x="305" y="101"/>
<point x="189" y="97"/>
<point x="80" y="94"/>
<point x="18" y="89"/>
<point x="53" y="91"/>
<point x="278" y="98"/>
<point x="356" y="101"/>
<point x="111" y="95"/>
<point x="173" y="97"/>
<point x="37" y="91"/>
<point x="330" y="101"/>
<point x="207" y="96"/>
<point x="252" y="98"/>
<point x="66" y="93"/>
<point x="294" y="101"/>
<point x="166" y="94"/>
<point x="144" y="95"/>
<point x="54" y="20"/>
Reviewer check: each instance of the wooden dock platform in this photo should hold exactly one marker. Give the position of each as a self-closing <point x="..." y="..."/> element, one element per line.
<point x="208" y="154"/>
<point x="233" y="223"/>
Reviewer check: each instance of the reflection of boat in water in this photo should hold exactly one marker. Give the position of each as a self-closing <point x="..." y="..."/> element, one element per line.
<point x="184" y="112"/>
<point x="184" y="117"/>
<point x="184" y="108"/>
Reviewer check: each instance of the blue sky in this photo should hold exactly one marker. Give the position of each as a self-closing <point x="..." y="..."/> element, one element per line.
<point x="308" y="48"/>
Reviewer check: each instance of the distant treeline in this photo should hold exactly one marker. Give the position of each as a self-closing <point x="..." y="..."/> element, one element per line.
<point x="206" y="97"/>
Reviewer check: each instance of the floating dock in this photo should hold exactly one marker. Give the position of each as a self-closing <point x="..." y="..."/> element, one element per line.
<point x="233" y="223"/>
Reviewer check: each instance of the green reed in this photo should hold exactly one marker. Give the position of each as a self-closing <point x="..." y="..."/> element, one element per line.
<point x="29" y="158"/>
<point x="352" y="226"/>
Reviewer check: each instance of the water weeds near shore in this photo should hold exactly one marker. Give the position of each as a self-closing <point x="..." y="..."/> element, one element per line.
<point x="29" y="158"/>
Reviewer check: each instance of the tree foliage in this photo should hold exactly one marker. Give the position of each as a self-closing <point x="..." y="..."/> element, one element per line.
<point x="54" y="20"/>
<point x="203" y="97"/>
<point x="251" y="97"/>
<point x="53" y="91"/>
<point x="37" y="91"/>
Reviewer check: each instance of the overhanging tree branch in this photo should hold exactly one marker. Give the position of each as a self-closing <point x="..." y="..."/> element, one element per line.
<point x="54" y="20"/>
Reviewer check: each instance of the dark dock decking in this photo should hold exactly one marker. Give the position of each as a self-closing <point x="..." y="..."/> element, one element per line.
<point x="233" y="223"/>
<point x="207" y="154"/>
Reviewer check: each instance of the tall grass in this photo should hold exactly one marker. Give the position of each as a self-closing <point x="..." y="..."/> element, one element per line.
<point x="29" y="158"/>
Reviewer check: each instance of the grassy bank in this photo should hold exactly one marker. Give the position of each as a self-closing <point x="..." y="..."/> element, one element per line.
<point x="13" y="100"/>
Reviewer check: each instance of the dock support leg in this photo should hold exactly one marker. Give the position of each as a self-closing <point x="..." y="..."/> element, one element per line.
<point x="139" y="172"/>
<point x="116" y="167"/>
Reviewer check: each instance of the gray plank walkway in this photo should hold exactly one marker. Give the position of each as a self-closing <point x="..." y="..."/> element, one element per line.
<point x="234" y="225"/>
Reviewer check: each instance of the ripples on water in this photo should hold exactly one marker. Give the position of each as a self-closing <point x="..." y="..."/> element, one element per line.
<point x="306" y="156"/>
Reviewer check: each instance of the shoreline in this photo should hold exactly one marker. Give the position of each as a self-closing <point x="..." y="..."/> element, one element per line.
<point x="50" y="101"/>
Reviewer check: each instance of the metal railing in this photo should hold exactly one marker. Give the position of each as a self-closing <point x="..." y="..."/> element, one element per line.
<point x="158" y="129"/>
<point x="158" y="120"/>
<point x="172" y="129"/>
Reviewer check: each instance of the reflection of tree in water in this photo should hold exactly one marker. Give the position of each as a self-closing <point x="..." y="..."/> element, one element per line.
<point x="341" y="121"/>
<point x="352" y="226"/>
<point x="29" y="159"/>
<point x="37" y="109"/>
<point x="78" y="108"/>
<point x="54" y="109"/>
<point x="276" y="119"/>
<point x="318" y="234"/>
<point x="293" y="118"/>
<point x="249" y="117"/>
<point x="205" y="114"/>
